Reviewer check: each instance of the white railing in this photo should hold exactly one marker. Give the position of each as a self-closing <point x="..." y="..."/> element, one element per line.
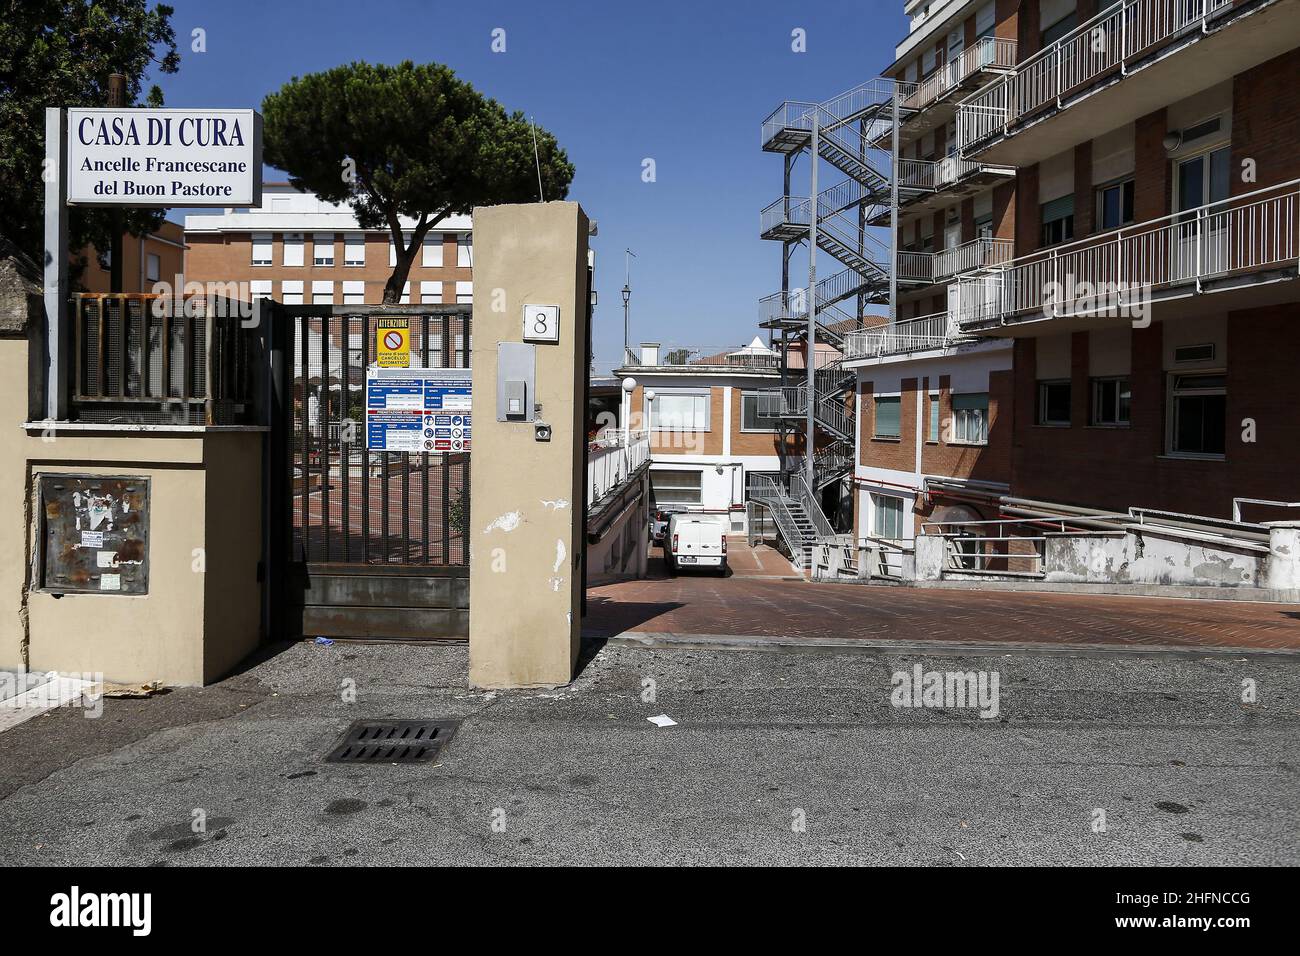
<point x="970" y="256"/>
<point x="916" y="266"/>
<point x="1124" y="31"/>
<point x="874" y="93"/>
<point x="910" y="335"/>
<point x="977" y="254"/>
<point x="611" y="457"/>
<point x="933" y="175"/>
<point x="706" y="356"/>
<point x="804" y="495"/>
<point x="1120" y="270"/>
<point x="791" y="114"/>
<point x="987" y="53"/>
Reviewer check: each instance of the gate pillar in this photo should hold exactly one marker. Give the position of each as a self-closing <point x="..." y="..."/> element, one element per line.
<point x="527" y="483"/>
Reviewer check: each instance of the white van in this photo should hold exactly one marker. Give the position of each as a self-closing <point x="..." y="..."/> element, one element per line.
<point x="694" y="541"/>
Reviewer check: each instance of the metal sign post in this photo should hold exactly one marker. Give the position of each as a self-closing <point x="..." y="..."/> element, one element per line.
<point x="57" y="338"/>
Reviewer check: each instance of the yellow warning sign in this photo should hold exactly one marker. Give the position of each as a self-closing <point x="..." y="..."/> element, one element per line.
<point x="393" y="343"/>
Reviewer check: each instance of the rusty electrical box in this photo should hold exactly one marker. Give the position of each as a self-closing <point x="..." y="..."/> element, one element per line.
<point x="94" y="534"/>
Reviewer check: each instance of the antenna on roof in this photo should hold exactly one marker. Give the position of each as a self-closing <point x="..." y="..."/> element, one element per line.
<point x="541" y="196"/>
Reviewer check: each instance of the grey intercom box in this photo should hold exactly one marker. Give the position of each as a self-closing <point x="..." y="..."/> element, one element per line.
<point x="516" y="381"/>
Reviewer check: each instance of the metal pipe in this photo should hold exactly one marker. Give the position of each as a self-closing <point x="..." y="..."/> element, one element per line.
<point x="810" y="347"/>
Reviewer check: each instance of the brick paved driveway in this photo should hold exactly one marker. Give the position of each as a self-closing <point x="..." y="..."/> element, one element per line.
<point x="769" y="607"/>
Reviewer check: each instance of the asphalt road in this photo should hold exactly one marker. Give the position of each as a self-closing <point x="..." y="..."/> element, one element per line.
<point x="1183" y="770"/>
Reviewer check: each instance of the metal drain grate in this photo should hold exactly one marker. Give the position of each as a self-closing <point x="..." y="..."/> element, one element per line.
<point x="393" y="741"/>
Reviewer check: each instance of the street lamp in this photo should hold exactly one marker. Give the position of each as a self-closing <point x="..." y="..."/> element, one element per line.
<point x="625" y="414"/>
<point x="627" y="297"/>
<point x="628" y="256"/>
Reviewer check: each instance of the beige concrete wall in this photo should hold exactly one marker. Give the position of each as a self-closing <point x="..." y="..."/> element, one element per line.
<point x="197" y="621"/>
<point x="525" y="524"/>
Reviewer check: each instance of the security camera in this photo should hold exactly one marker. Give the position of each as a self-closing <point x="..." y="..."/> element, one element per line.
<point x="541" y="431"/>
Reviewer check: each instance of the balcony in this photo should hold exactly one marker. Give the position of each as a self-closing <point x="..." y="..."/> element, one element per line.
<point x="927" y="185"/>
<point x="1177" y="46"/>
<point x="938" y="331"/>
<point x="989" y="55"/>
<point x="1243" y="242"/>
<point x="982" y="253"/>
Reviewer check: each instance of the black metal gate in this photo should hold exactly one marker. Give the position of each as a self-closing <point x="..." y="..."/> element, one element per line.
<point x="374" y="542"/>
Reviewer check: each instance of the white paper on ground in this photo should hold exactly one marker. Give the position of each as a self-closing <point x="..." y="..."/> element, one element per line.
<point x="663" y="720"/>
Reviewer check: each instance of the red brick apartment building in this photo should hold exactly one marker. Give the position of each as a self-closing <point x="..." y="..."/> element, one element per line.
<point x="1098" y="228"/>
<point x="298" y="249"/>
<point x="146" y="260"/>
<point x="1157" y="147"/>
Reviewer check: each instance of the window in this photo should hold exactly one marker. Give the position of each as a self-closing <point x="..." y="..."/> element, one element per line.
<point x="1054" y="402"/>
<point x="430" y="293"/>
<point x="291" y="292"/>
<point x="259" y="289"/>
<point x="152" y="268"/>
<point x="293" y="248"/>
<point x="1115" y="205"/>
<point x="261" y="249"/>
<point x="354" y="292"/>
<point x="354" y="249"/>
<point x="1110" y="401"/>
<point x="406" y="294"/>
<point x="322" y="251"/>
<point x="970" y="418"/>
<point x="465" y="293"/>
<point x="1198" y="409"/>
<point x="889" y="423"/>
<point x="1194" y="353"/>
<point x="985" y="20"/>
<point x="322" y="292"/>
<point x="1058" y="221"/>
<point x="392" y="249"/>
<point x="465" y="250"/>
<point x="750" y="418"/>
<point x="677" y="487"/>
<point x="887" y="517"/>
<point x="679" y="411"/>
<point x="1204" y="179"/>
<point x="934" y="417"/>
<point x="432" y="250"/>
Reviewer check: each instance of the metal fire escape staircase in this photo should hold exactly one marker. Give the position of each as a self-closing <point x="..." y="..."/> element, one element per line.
<point x="854" y="133"/>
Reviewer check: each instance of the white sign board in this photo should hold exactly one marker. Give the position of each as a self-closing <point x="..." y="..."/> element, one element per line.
<point x="419" y="410"/>
<point x="541" y="323"/>
<point x="171" y="157"/>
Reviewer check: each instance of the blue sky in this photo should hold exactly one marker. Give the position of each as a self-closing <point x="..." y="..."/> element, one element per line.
<point x="684" y="83"/>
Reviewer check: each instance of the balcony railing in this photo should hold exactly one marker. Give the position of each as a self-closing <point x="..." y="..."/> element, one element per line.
<point x="977" y="254"/>
<point x="611" y="458"/>
<point x="932" y="175"/>
<point x="1128" y="30"/>
<point x="151" y="359"/>
<point x="706" y="357"/>
<point x="910" y="335"/>
<point x="970" y="256"/>
<point x="987" y="53"/>
<point x="1121" y="269"/>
